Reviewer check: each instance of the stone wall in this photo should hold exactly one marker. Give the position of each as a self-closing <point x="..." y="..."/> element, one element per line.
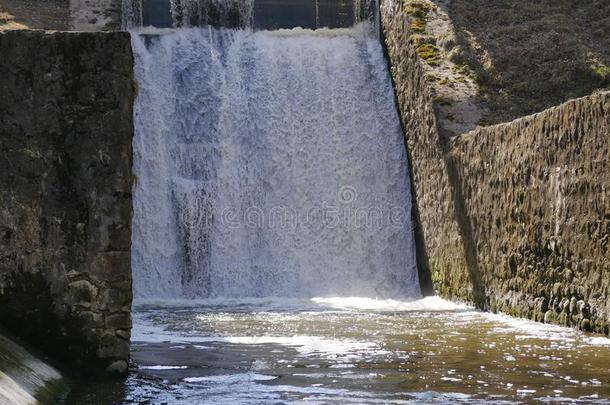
<point x="96" y="15"/>
<point x="514" y="217"/>
<point x="441" y="258"/>
<point x="537" y="197"/>
<point x="65" y="208"/>
<point x="65" y="15"/>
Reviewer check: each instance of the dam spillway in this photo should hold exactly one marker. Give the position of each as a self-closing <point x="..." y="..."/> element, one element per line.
<point x="510" y="217"/>
<point x="255" y="14"/>
<point x="269" y="163"/>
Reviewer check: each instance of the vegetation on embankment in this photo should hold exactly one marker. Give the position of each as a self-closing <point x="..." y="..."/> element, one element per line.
<point x="512" y="217"/>
<point x="531" y="55"/>
<point x="523" y="56"/>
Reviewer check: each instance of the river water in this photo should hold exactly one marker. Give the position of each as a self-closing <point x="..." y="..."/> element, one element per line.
<point x="352" y="350"/>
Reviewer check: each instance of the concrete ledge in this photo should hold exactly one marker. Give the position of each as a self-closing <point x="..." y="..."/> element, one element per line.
<point x="25" y="379"/>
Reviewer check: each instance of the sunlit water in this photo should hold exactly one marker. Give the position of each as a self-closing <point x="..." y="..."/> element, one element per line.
<point x="352" y="351"/>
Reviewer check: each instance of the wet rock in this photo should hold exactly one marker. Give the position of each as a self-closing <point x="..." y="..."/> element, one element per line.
<point x="119" y="321"/>
<point x="112" y="347"/>
<point x="573" y="305"/>
<point x="82" y="293"/>
<point x="124" y="334"/>
<point x="557" y="289"/>
<point x="551" y="317"/>
<point x="117" y="369"/>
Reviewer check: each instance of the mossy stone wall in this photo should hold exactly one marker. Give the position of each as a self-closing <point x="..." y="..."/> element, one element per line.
<point x="440" y="259"/>
<point x="513" y="217"/>
<point x="65" y="208"/>
<point x="536" y="194"/>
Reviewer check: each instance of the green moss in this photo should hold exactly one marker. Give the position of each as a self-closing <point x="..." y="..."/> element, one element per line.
<point x="602" y="71"/>
<point x="420" y="39"/>
<point x="431" y="78"/>
<point x="429" y="53"/>
<point x="418" y="11"/>
<point x="418" y="26"/>
<point x="465" y="71"/>
<point x="418" y="8"/>
<point x="440" y="100"/>
<point x="52" y="391"/>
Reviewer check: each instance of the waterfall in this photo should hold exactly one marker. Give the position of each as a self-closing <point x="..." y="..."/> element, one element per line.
<point x="256" y="14"/>
<point x="192" y="13"/>
<point x="269" y="163"/>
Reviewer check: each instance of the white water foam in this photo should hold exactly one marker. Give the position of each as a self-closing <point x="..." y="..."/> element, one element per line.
<point x="429" y="304"/>
<point x="162" y="368"/>
<point x="269" y="164"/>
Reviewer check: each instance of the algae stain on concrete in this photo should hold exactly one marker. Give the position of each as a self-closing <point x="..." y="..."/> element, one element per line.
<point x="25" y="379"/>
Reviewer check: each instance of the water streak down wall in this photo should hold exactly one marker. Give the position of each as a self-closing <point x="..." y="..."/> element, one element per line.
<point x="514" y="217"/>
<point x="65" y="208"/>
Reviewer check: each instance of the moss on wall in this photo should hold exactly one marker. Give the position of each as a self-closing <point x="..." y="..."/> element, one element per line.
<point x="441" y="261"/>
<point x="535" y="195"/>
<point x="514" y="217"/>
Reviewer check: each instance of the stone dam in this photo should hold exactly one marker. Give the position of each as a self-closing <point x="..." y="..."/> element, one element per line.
<point x="136" y="138"/>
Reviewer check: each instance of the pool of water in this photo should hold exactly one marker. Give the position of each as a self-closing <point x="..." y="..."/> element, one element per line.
<point x="351" y="350"/>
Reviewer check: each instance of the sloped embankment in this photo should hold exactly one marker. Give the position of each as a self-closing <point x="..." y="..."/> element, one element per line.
<point x="513" y="217"/>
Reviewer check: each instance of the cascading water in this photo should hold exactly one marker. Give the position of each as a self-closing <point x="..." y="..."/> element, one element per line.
<point x="269" y="163"/>
<point x="258" y="14"/>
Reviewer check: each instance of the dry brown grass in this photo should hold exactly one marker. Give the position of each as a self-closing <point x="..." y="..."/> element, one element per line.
<point x="529" y="55"/>
<point x="7" y="22"/>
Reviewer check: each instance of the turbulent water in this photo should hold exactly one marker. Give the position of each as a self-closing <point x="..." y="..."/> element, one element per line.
<point x="352" y="351"/>
<point x="269" y="163"/>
